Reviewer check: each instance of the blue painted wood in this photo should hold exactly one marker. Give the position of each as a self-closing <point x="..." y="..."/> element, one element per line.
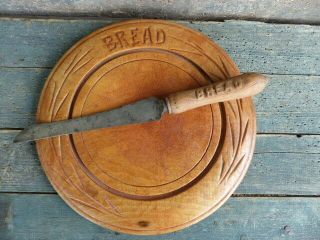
<point x="289" y="104"/>
<point x="20" y="169"/>
<point x="266" y="48"/>
<point x="20" y="89"/>
<point x="303" y="11"/>
<point x="281" y="108"/>
<point x="29" y="216"/>
<point x="282" y="164"/>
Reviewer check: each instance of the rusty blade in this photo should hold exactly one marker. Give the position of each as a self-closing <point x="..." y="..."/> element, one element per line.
<point x="146" y="110"/>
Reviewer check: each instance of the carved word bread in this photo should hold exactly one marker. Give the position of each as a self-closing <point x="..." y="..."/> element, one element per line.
<point x="156" y="177"/>
<point x="135" y="37"/>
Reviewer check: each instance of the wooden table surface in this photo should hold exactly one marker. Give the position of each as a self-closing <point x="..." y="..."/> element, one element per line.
<point x="279" y="197"/>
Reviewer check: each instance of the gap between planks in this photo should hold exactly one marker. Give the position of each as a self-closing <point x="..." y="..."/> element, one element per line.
<point x="265" y="73"/>
<point x="235" y="195"/>
<point x="191" y="20"/>
<point x="298" y="135"/>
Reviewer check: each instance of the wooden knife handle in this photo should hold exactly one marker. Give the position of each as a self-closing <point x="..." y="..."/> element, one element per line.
<point x="244" y="85"/>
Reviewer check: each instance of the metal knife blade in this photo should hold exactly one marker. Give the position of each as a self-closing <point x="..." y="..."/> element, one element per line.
<point x="145" y="110"/>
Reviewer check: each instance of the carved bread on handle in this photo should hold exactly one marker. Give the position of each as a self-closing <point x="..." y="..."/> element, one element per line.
<point x="244" y="85"/>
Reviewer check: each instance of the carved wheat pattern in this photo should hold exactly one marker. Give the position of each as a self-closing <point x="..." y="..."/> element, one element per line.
<point x="230" y="164"/>
<point x="226" y="70"/>
<point x="200" y="51"/>
<point x="231" y="156"/>
<point x="78" y="62"/>
<point x="69" y="174"/>
<point x="230" y="159"/>
<point x="185" y="51"/>
<point x="92" y="201"/>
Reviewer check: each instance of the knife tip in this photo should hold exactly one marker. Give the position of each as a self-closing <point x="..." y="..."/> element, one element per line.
<point x="17" y="139"/>
<point x="21" y="137"/>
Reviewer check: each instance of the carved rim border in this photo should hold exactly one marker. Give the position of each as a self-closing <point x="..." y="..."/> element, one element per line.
<point x="233" y="162"/>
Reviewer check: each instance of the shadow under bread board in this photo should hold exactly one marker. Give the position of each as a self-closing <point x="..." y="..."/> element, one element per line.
<point x="147" y="178"/>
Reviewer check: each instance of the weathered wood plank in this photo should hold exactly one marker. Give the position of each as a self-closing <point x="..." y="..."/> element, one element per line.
<point x="282" y="164"/>
<point x="304" y="11"/>
<point x="20" y="169"/>
<point x="281" y="108"/>
<point x="19" y="90"/>
<point x="289" y="104"/>
<point x="261" y="47"/>
<point x="47" y="217"/>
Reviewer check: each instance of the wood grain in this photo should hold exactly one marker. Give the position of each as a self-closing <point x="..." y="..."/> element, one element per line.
<point x="241" y="86"/>
<point x="269" y="172"/>
<point x="255" y="47"/>
<point x="206" y="148"/>
<point x="280" y="109"/>
<point x="277" y="111"/>
<point x="240" y="218"/>
<point x="305" y="11"/>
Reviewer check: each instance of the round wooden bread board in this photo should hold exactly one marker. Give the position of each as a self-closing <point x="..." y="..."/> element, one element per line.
<point x="149" y="178"/>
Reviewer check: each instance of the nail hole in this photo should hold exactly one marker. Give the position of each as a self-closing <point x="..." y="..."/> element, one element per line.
<point x="143" y="223"/>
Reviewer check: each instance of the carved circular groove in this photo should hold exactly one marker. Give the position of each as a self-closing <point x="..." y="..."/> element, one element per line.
<point x="170" y="175"/>
<point x="154" y="177"/>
